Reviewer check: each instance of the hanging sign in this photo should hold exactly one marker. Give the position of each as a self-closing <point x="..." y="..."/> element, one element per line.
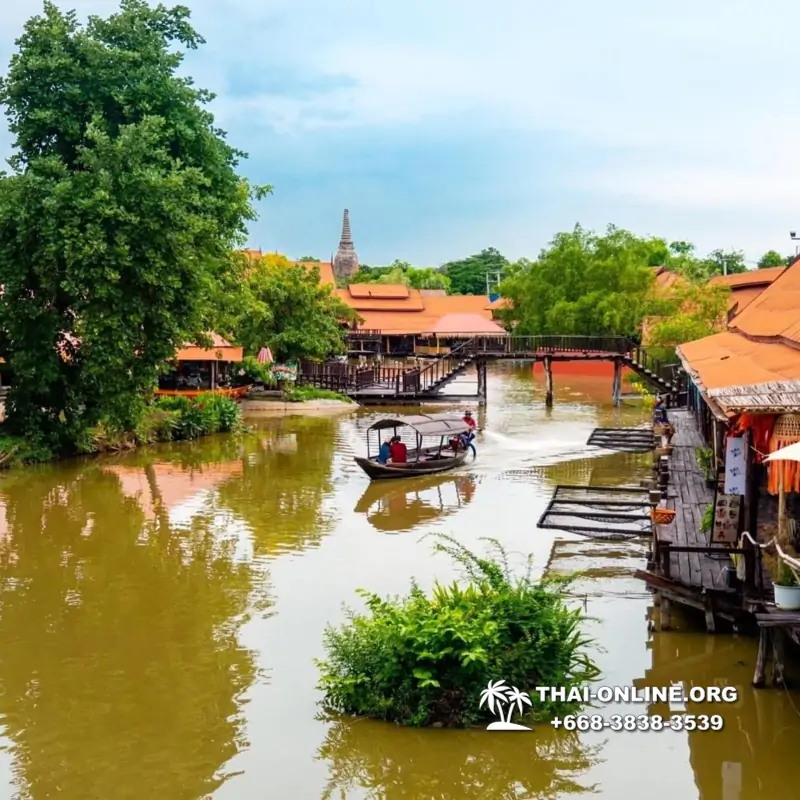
<point x="736" y="466"/>
<point x="284" y="372"/>
<point x="727" y="509"/>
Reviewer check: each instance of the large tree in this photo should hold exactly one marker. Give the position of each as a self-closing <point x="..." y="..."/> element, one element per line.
<point x="469" y="275"/>
<point x="117" y="219"/>
<point x="286" y="308"/>
<point x="402" y="272"/>
<point x="584" y="284"/>
<point x="773" y="259"/>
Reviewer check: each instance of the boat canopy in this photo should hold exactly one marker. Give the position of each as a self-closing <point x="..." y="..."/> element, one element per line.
<point x="425" y="424"/>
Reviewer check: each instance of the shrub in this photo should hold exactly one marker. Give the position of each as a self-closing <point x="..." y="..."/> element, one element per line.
<point x="208" y="413"/>
<point x="422" y="660"/>
<point x="301" y="394"/>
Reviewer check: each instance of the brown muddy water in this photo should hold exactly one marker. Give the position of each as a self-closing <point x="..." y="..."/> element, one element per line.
<point x="160" y="613"/>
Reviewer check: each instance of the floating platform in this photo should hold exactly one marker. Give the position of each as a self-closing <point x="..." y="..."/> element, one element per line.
<point x="623" y="440"/>
<point x="599" y="512"/>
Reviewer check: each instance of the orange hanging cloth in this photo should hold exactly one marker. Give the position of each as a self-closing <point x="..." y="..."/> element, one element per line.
<point x="785" y="432"/>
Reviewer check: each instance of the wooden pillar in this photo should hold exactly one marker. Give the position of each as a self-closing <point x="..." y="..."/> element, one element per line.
<point x="778" y="647"/>
<point x="548" y="381"/>
<point x="709" y="612"/>
<point x="761" y="658"/>
<point x="616" y="386"/>
<point x="213" y="375"/>
<point x="666" y="613"/>
<point x="480" y="366"/>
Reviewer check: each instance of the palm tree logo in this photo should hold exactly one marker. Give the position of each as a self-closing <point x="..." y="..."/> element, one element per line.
<point x="496" y="695"/>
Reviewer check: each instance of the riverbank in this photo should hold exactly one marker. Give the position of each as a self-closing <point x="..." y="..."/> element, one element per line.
<point x="279" y="407"/>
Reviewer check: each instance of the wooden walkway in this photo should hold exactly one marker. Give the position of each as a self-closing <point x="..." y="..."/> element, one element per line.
<point x="689" y="497"/>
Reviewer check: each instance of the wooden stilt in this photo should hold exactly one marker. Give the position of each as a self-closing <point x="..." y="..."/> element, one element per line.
<point x="761" y="659"/>
<point x="710" y="625"/>
<point x="666" y="613"/>
<point x="481" y="369"/>
<point x="548" y="381"/>
<point x="778" y="646"/>
<point x="616" y="386"/>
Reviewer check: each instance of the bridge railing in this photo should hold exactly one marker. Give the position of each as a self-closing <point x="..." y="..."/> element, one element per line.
<point x="500" y="344"/>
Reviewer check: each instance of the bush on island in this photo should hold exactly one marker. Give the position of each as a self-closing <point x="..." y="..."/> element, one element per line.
<point x="423" y="660"/>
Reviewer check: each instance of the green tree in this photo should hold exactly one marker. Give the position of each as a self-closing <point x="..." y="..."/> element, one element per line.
<point x="696" y="310"/>
<point x="725" y="262"/>
<point x="468" y="276"/>
<point x="584" y="284"/>
<point x="402" y="272"/>
<point x="773" y="259"/>
<point x="285" y="307"/>
<point x="117" y="220"/>
<point x="307" y="258"/>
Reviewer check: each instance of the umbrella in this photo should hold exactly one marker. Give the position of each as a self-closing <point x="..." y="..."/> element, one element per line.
<point x="789" y="453"/>
<point x="264" y="356"/>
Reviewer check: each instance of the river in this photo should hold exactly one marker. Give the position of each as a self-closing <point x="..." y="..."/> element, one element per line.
<point x="160" y="613"/>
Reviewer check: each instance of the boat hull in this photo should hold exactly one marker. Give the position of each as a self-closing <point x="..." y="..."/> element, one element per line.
<point x="377" y="472"/>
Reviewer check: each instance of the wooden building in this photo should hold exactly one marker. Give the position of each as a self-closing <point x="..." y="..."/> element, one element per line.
<point x="199" y="369"/>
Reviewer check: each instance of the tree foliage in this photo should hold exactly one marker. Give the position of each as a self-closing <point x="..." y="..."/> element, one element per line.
<point x="284" y="306"/>
<point x="694" y="311"/>
<point x="772" y="258"/>
<point x="584" y="284"/>
<point x="468" y="275"/>
<point x="401" y="272"/>
<point x="117" y="220"/>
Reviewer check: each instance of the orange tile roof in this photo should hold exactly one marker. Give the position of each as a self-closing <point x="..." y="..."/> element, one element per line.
<point x="761" y="345"/>
<point x="727" y="359"/>
<point x="381" y="291"/>
<point x="740" y="298"/>
<point x="386" y="300"/>
<point x="404" y="321"/>
<point x="465" y="323"/>
<point x="666" y="279"/>
<point x="222" y="350"/>
<point x="753" y="277"/>
<point x="775" y="313"/>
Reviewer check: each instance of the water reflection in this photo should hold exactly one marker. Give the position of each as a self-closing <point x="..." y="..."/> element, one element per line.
<point x="374" y="760"/>
<point x="396" y="506"/>
<point x="121" y="671"/>
<point x="760" y="728"/>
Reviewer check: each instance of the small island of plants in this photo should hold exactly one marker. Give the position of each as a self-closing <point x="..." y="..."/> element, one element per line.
<point x="425" y="660"/>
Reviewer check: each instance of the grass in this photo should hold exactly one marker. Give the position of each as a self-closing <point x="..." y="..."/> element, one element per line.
<point x="302" y="394"/>
<point x="426" y="660"/>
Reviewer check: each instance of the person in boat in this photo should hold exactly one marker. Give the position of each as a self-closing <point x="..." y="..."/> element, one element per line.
<point x="398" y="451"/>
<point x="385" y="453"/>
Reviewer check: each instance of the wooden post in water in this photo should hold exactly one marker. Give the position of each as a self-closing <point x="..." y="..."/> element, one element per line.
<point x="548" y="381"/>
<point x="666" y="613"/>
<point x="761" y="659"/>
<point x="481" y="369"/>
<point x="778" y="646"/>
<point x="616" y="386"/>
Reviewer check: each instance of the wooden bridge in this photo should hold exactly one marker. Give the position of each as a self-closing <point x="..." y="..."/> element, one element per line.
<point x="374" y="383"/>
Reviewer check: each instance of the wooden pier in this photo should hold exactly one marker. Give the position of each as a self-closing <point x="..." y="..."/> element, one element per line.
<point x="685" y="566"/>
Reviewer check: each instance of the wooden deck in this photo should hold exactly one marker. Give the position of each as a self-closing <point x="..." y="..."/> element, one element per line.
<point x="690" y="496"/>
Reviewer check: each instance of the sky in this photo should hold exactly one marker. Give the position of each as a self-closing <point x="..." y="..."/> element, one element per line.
<point x="446" y="127"/>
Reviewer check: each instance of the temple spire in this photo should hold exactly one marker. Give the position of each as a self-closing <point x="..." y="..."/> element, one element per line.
<point x="345" y="262"/>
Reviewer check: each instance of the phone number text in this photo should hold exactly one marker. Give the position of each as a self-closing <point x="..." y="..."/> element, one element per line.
<point x="643" y="722"/>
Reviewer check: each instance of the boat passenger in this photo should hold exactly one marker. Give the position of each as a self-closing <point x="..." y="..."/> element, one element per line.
<point x="385" y="453"/>
<point x="469" y="420"/>
<point x="398" y="451"/>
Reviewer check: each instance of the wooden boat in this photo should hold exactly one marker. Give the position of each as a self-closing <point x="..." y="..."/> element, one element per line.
<point x="421" y="459"/>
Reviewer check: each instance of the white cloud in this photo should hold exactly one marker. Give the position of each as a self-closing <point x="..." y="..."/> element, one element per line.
<point x="687" y="106"/>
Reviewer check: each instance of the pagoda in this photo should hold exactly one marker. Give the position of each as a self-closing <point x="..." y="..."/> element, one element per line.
<point x="345" y="262"/>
